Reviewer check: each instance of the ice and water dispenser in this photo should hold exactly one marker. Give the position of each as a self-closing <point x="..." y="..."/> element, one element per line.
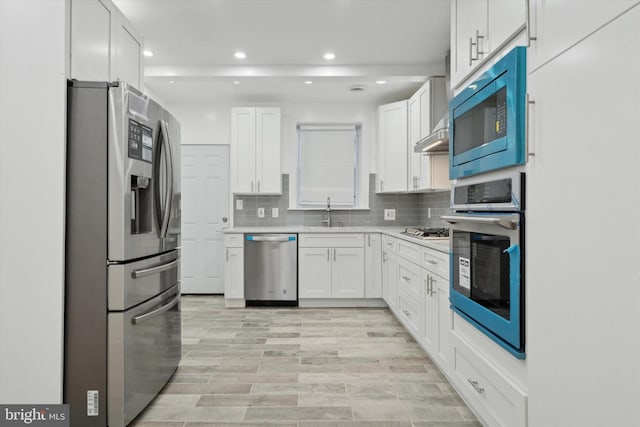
<point x="141" y="148"/>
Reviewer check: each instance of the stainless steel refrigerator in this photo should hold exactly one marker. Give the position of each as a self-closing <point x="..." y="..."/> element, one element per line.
<point x="122" y="289"/>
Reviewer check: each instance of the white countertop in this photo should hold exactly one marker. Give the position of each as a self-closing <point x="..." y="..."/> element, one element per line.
<point x="441" y="245"/>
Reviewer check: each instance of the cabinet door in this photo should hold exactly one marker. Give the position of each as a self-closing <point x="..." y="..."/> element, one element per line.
<point x="234" y="273"/>
<point x="268" y="151"/>
<point x="129" y="46"/>
<point x="314" y="272"/>
<point x="373" y="266"/>
<point x="568" y="110"/>
<point x="347" y="273"/>
<point x="92" y="23"/>
<point x="505" y="18"/>
<point x="549" y="20"/>
<point x="414" y="137"/>
<point x="430" y="315"/>
<point x="444" y="320"/>
<point x="390" y="279"/>
<point x="393" y="147"/>
<point x="469" y="19"/>
<point x="243" y="150"/>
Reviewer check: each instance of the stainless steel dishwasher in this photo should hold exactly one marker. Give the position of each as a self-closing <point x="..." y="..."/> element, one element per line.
<point x="271" y="269"/>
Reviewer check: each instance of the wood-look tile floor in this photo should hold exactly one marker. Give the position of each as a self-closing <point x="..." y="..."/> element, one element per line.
<point x="301" y="367"/>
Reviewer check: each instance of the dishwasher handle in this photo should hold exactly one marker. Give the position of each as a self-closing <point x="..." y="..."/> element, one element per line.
<point x="271" y="238"/>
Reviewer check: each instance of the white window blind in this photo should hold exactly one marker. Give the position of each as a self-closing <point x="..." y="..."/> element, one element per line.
<point x="328" y="165"/>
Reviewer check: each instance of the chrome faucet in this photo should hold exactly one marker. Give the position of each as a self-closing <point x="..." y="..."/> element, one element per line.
<point x="327" y="218"/>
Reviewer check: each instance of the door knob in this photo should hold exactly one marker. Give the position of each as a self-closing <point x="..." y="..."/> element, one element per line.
<point x="225" y="219"/>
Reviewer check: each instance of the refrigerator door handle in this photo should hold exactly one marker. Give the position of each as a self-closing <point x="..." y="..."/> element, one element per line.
<point x="154" y="270"/>
<point x="171" y="177"/>
<point x="155" y="312"/>
<point x="163" y="211"/>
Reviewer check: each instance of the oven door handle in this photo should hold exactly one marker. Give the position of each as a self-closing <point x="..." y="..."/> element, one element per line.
<point x="510" y="222"/>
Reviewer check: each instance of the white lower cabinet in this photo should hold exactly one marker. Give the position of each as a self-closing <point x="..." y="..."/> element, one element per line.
<point x="314" y="272"/>
<point x="331" y="272"/>
<point x="497" y="400"/>
<point x="373" y="266"/>
<point x="438" y="318"/>
<point x="389" y="273"/>
<point x="410" y="312"/>
<point x="234" y="273"/>
<point x="234" y="270"/>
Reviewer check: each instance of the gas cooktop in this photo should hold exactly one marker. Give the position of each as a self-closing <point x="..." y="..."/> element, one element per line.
<point x="427" y="233"/>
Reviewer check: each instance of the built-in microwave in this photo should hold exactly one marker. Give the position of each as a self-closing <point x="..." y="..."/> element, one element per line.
<point x="487" y="256"/>
<point x="487" y="119"/>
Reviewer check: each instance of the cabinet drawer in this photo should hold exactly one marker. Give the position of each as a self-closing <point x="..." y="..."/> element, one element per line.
<point x="234" y="240"/>
<point x="497" y="399"/>
<point x="410" y="251"/>
<point x="410" y="313"/>
<point x="409" y="279"/>
<point x="436" y="262"/>
<point x="389" y="244"/>
<point x="331" y="240"/>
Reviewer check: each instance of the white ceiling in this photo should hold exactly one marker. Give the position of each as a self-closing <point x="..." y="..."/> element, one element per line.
<point x="400" y="41"/>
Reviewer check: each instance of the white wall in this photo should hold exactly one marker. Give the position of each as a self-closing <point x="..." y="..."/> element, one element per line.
<point x="32" y="183"/>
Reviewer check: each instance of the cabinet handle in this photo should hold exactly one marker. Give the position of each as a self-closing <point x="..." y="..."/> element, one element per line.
<point x="258" y="186"/>
<point x="429" y="285"/>
<point x="227" y="255"/>
<point x="384" y="257"/>
<point x="432" y="262"/>
<point x="406" y="279"/>
<point x="528" y="23"/>
<point x="381" y="185"/>
<point x="406" y="313"/>
<point x="530" y="151"/>
<point x="475" y="385"/>
<point x="328" y="259"/>
<point x="470" y="51"/>
<point x="334" y="254"/>
<point x="252" y="186"/>
<point x="478" y="37"/>
<point x="369" y="240"/>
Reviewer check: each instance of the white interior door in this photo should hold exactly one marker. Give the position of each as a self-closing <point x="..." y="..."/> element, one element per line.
<point x="205" y="208"/>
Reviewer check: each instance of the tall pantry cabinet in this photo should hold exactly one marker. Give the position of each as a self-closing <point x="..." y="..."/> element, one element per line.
<point x="583" y="291"/>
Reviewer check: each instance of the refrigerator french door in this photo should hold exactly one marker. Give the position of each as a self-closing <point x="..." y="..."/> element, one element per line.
<point x="122" y="262"/>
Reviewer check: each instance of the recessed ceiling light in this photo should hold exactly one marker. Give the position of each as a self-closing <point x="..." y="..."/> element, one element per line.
<point x="381" y="82"/>
<point x="171" y="82"/>
<point x="308" y="82"/>
<point x="147" y="53"/>
<point x="329" y="56"/>
<point x="240" y="55"/>
<point x="235" y="82"/>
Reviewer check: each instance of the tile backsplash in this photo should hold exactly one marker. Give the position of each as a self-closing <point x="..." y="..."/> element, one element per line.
<point x="411" y="209"/>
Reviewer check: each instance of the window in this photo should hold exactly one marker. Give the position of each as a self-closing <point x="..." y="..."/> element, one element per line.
<point x="328" y="158"/>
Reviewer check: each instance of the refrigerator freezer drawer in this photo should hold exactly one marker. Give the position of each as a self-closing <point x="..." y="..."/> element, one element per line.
<point x="144" y="351"/>
<point x="135" y="282"/>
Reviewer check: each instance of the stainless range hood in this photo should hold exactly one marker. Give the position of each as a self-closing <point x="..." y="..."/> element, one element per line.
<point x="438" y="141"/>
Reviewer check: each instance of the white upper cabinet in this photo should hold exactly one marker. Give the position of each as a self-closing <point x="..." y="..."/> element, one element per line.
<point x="548" y="24"/>
<point x="255" y="151"/>
<point x="392" y="140"/>
<point x="479" y="28"/>
<point x="104" y="44"/>
<point x="426" y="107"/>
<point x="130" y="44"/>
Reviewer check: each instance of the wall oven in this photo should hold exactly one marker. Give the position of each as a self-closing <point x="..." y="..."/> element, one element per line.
<point x="487" y="256"/>
<point x="487" y="119"/>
